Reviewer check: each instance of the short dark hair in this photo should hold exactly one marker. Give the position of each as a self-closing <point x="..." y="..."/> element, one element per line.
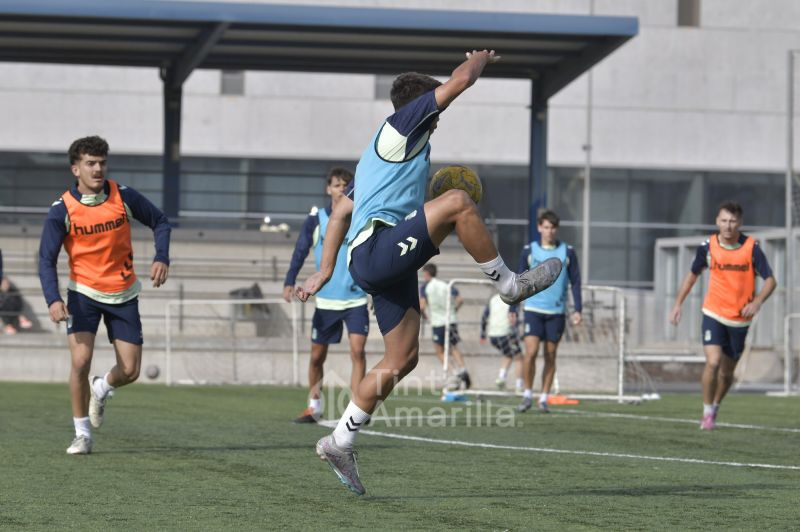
<point x="430" y="268"/>
<point x="93" y="145"/>
<point x="342" y="173"/>
<point x="733" y="208"/>
<point x="410" y="86"/>
<point x="549" y="216"/>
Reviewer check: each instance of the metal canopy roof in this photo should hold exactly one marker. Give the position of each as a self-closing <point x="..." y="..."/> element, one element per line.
<point x="549" y="49"/>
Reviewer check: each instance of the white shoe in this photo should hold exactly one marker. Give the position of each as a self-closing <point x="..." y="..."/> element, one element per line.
<point x="533" y="281"/>
<point x="343" y="462"/>
<point x="97" y="406"/>
<point x="80" y="445"/>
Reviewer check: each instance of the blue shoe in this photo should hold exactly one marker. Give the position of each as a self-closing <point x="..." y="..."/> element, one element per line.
<point x="525" y="405"/>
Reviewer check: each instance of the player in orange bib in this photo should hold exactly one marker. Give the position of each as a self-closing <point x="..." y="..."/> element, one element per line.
<point x="92" y="220"/>
<point x="733" y="260"/>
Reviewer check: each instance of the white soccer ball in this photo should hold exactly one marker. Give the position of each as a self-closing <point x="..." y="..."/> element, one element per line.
<point x="152" y="371"/>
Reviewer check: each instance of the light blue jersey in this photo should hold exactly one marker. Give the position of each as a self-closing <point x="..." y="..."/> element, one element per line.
<point x="341" y="292"/>
<point x="552" y="300"/>
<point x="393" y="170"/>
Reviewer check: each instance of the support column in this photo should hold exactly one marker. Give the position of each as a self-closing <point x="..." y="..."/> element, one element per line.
<point x="538" y="157"/>
<point x="173" y="96"/>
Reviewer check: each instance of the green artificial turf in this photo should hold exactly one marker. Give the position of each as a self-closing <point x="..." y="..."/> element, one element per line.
<point x="211" y="458"/>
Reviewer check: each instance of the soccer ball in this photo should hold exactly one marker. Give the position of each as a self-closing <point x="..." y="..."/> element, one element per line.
<point x="460" y="177"/>
<point x="152" y="371"/>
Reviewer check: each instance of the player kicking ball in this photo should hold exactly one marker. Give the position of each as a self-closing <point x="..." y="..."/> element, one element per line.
<point x="391" y="233"/>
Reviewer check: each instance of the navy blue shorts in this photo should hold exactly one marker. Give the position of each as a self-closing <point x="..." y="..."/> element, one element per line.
<point x="438" y="335"/>
<point x="548" y="327"/>
<point x="731" y="339"/>
<point x="122" y="320"/>
<point x="326" y="325"/>
<point x="386" y="265"/>
<point x="507" y="345"/>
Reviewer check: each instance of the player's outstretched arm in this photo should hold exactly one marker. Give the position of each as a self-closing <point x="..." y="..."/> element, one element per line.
<point x="464" y="76"/>
<point x="686" y="287"/>
<point x="338" y="224"/>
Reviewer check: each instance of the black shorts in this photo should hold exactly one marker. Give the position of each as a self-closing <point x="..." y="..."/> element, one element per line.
<point x="122" y="320"/>
<point x="386" y="265"/>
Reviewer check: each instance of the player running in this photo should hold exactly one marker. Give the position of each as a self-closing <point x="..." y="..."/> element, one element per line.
<point x="92" y="220"/>
<point x="733" y="260"/>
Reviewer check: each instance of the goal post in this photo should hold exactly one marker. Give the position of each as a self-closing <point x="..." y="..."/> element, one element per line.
<point x="791" y="361"/>
<point x="216" y="346"/>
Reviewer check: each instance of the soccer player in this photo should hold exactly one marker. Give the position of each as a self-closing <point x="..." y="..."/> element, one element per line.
<point x="433" y="306"/>
<point x="733" y="260"/>
<point x="391" y="234"/>
<point x="92" y="220"/>
<point x="499" y="321"/>
<point x="545" y="313"/>
<point x="341" y="301"/>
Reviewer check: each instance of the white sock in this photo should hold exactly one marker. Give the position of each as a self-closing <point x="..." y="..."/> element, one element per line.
<point x="503" y="373"/>
<point x="708" y="409"/>
<point x="315" y="404"/>
<point x="350" y="423"/>
<point x="102" y="387"/>
<point x="497" y="271"/>
<point x="82" y="427"/>
<point x="520" y="383"/>
<point x="528" y="393"/>
<point x="543" y="398"/>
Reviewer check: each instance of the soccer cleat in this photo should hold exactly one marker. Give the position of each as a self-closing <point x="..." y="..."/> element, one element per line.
<point x="464" y="377"/>
<point x="525" y="405"/>
<point x="97" y="406"/>
<point x="343" y="463"/>
<point x="533" y="281"/>
<point x="500" y="383"/>
<point x="308" y="416"/>
<point x="708" y="422"/>
<point x="543" y="407"/>
<point x="80" y="445"/>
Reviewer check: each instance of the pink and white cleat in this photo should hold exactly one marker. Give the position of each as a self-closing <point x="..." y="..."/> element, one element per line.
<point x="708" y="422"/>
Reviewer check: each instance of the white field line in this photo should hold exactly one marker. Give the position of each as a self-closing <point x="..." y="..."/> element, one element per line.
<point x="675" y="420"/>
<point x="556" y="411"/>
<point x="578" y="453"/>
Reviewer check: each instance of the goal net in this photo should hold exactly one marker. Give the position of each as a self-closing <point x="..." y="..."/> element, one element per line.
<point x="231" y="341"/>
<point x="591" y="361"/>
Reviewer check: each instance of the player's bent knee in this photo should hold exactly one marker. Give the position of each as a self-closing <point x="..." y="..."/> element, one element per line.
<point x="457" y="201"/>
<point x="131" y="373"/>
